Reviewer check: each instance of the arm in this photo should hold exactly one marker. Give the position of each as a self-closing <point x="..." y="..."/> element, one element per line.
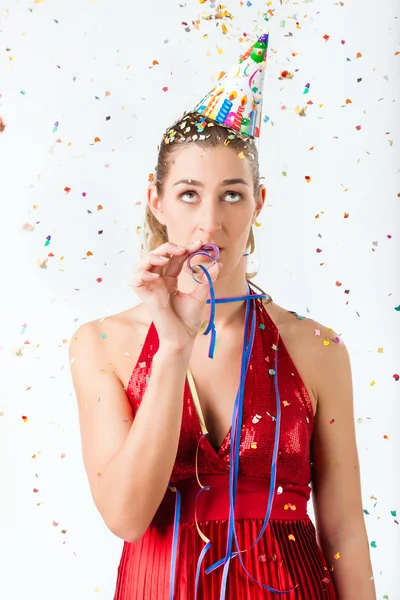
<point x="128" y="465"/>
<point x="336" y="478"/>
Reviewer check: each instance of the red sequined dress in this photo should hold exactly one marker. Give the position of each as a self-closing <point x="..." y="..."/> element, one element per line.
<point x="287" y="554"/>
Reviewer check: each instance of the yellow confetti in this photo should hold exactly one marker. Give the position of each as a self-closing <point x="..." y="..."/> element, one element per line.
<point x="241" y="155"/>
<point x="291" y="537"/>
<point x="254" y="445"/>
<point x="337" y="555"/>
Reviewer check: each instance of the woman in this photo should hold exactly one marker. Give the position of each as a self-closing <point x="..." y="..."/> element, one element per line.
<point x="249" y="424"/>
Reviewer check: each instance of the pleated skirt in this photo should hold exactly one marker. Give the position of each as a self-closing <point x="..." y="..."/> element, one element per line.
<point x="286" y="556"/>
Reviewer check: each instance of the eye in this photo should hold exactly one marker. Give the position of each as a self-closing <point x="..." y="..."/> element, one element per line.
<point x="235" y="197"/>
<point x="191" y="193"/>
<point x="238" y="196"/>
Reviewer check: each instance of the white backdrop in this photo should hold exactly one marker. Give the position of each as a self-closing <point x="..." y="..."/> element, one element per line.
<point x="84" y="108"/>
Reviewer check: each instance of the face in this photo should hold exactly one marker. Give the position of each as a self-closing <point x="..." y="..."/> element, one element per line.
<point x="208" y="194"/>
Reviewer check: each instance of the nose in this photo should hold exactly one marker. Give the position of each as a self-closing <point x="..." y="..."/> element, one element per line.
<point x="210" y="220"/>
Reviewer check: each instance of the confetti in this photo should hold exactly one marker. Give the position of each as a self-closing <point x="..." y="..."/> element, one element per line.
<point x="285" y="75"/>
<point x="262" y="558"/>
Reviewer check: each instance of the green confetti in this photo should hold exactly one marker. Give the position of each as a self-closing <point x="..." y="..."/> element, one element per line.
<point x="373" y="544"/>
<point x="393" y="513"/>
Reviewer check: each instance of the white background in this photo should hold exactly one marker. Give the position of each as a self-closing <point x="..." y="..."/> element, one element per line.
<point x="86" y="66"/>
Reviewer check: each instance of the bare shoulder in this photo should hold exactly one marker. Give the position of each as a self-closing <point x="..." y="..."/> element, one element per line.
<point x="118" y="338"/>
<point x="311" y="345"/>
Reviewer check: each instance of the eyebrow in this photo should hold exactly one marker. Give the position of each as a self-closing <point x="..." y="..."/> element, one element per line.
<point x="197" y="183"/>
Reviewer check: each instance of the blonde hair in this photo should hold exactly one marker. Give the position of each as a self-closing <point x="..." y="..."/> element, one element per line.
<point x="195" y="128"/>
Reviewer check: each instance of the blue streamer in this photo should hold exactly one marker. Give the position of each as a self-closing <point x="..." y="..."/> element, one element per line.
<point x="174" y="540"/>
<point x="235" y="443"/>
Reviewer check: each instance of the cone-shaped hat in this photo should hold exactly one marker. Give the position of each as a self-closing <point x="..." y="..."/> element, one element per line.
<point x="236" y="100"/>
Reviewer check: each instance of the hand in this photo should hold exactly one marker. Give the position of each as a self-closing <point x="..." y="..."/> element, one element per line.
<point x="177" y="316"/>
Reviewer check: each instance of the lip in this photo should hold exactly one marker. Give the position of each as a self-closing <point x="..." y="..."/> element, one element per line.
<point x="208" y="243"/>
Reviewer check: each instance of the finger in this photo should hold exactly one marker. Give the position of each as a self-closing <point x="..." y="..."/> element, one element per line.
<point x="156" y="260"/>
<point x="171" y="248"/>
<point x="151" y="262"/>
<point x="144" y="279"/>
<point x="176" y="263"/>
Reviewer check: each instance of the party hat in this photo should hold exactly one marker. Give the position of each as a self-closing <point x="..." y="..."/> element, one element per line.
<point x="236" y="100"/>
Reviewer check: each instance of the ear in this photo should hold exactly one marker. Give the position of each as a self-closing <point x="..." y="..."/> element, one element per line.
<point x="262" y="194"/>
<point x="154" y="202"/>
